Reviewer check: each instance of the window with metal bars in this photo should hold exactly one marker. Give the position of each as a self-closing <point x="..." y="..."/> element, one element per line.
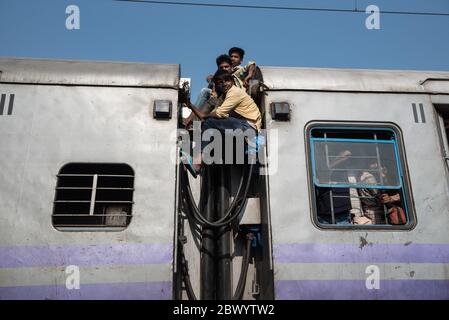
<point x="93" y="196"/>
<point x="358" y="178"/>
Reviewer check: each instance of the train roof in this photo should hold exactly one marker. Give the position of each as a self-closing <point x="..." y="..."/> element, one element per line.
<point x="133" y="74"/>
<point x="355" y="80"/>
<point x="89" y="73"/>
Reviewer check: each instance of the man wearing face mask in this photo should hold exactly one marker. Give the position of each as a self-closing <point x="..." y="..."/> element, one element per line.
<point x="238" y="110"/>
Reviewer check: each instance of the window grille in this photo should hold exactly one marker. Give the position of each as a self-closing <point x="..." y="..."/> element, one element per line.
<point x="93" y="195"/>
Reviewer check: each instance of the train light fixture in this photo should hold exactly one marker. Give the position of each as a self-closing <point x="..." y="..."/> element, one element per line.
<point x="280" y="111"/>
<point x="162" y="110"/>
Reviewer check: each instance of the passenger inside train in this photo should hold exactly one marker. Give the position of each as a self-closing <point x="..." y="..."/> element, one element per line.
<point x="371" y="202"/>
<point x="359" y="206"/>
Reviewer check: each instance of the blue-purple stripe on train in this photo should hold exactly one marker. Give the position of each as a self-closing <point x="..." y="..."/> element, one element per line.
<point x="352" y="253"/>
<point x="103" y="291"/>
<point x="22" y="257"/>
<point x="87" y="255"/>
<point x="144" y="254"/>
<point x="408" y="253"/>
<point x="356" y="290"/>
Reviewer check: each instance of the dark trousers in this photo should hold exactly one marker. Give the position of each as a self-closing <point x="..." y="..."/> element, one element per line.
<point x="224" y="124"/>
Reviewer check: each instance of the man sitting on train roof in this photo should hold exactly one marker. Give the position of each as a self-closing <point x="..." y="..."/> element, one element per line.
<point x="232" y="63"/>
<point x="208" y="99"/>
<point x="238" y="111"/>
<point x="225" y="63"/>
<point x="244" y="73"/>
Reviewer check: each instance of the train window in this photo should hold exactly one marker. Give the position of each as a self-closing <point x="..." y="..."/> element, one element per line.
<point x="443" y="123"/>
<point x="93" y="196"/>
<point x="357" y="177"/>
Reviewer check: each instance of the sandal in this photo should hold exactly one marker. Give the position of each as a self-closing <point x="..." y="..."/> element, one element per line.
<point x="187" y="161"/>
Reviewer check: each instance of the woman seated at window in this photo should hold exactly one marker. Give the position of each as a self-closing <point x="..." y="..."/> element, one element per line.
<point x="375" y="201"/>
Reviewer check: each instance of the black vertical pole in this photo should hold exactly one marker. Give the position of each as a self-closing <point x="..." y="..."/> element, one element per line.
<point x="224" y="289"/>
<point x="208" y="270"/>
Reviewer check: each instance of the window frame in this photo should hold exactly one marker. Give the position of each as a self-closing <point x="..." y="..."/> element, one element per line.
<point x="401" y="162"/>
<point x="93" y="228"/>
<point x="439" y="109"/>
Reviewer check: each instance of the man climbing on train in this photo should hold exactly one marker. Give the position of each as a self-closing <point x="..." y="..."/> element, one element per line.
<point x="225" y="63"/>
<point x="237" y="111"/>
<point x="208" y="98"/>
<point x="233" y="64"/>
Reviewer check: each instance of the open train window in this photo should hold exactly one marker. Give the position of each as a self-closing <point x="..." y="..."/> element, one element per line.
<point x="357" y="177"/>
<point x="93" y="196"/>
<point x="443" y="124"/>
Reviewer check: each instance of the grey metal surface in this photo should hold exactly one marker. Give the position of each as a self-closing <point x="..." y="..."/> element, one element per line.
<point x="335" y="96"/>
<point x="89" y="73"/>
<point x="54" y="126"/>
<point x="289" y="186"/>
<point x="291" y="213"/>
<point x="314" y="79"/>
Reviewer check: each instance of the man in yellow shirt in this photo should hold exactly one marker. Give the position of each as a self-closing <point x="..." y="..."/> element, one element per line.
<point x="238" y="111"/>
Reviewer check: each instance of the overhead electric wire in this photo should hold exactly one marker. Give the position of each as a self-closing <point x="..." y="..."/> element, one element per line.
<point x="259" y="7"/>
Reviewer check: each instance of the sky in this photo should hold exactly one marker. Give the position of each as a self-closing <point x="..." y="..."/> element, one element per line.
<point x="194" y="36"/>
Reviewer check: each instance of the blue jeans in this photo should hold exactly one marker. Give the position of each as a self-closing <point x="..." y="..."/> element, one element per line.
<point x="203" y="97"/>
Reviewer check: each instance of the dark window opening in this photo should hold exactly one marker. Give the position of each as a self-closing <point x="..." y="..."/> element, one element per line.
<point x="358" y="178"/>
<point x="93" y="195"/>
<point x="443" y="112"/>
